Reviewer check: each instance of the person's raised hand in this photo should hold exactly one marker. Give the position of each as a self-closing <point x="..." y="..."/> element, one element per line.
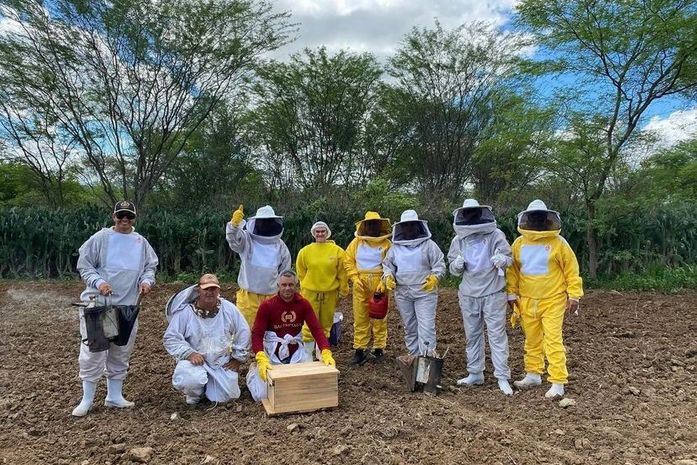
<point x="237" y="216"/>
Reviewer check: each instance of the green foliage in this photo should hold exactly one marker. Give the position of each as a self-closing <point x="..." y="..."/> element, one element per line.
<point x="20" y="186"/>
<point x="670" y="174"/>
<point x="657" y="279"/>
<point x="215" y="167"/>
<point x="512" y="149"/>
<point x="378" y="196"/>
<point x="41" y="242"/>
<point x="16" y="182"/>
<point x="441" y="104"/>
<point x="123" y="85"/>
<point x="635" y="234"/>
<point x="625" y="55"/>
<point x="311" y="116"/>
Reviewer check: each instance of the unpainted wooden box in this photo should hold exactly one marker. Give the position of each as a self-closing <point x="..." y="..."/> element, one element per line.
<point x="301" y="387"/>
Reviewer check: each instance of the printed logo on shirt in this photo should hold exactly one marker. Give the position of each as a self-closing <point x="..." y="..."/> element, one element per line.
<point x="288" y="316"/>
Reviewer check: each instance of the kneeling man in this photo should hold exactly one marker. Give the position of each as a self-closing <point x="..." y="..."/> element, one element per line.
<point x="210" y="339"/>
<point x="277" y="333"/>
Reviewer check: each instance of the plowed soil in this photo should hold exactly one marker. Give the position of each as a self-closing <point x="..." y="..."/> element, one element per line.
<point x="632" y="361"/>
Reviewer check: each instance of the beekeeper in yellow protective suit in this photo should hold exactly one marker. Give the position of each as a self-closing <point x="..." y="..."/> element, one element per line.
<point x="320" y="268"/>
<point x="364" y="256"/>
<point x="542" y="284"/>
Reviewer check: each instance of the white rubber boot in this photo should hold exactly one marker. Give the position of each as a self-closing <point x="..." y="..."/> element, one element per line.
<point x="505" y="387"/>
<point x="88" y="390"/>
<point x="473" y="379"/>
<point x="114" y="395"/>
<point x="557" y="390"/>
<point x="530" y="380"/>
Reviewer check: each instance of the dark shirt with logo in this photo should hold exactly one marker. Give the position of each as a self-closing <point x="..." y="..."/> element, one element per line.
<point x="281" y="317"/>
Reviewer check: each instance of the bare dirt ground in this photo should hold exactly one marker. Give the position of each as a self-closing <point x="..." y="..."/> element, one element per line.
<point x="631" y="357"/>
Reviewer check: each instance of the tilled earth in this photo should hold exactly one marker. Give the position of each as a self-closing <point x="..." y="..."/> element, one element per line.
<point x="631" y="357"/>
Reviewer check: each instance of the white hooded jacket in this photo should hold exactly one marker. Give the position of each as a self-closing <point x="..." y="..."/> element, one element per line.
<point x="411" y="261"/>
<point x="262" y="258"/>
<point x="122" y="260"/>
<point x="477" y="243"/>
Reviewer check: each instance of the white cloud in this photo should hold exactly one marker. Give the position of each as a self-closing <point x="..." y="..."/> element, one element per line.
<point x="378" y="26"/>
<point x="8" y="22"/>
<point x="678" y="126"/>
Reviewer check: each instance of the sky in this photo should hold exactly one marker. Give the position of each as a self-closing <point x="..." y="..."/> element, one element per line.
<point x="378" y="26"/>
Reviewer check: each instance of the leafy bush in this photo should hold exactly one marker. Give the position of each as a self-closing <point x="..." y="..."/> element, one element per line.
<point x="656" y="280"/>
<point x="636" y="245"/>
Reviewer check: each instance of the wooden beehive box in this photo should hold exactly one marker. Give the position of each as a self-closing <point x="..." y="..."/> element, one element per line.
<point x="301" y="387"/>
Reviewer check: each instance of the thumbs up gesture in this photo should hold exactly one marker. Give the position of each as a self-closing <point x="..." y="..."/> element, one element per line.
<point x="237" y="216"/>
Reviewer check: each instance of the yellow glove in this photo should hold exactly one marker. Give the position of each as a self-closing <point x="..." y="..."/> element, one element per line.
<point x="237" y="216"/>
<point x="515" y="315"/>
<point x="358" y="284"/>
<point x="390" y="283"/>
<point x="263" y="364"/>
<point x="381" y="288"/>
<point x="430" y="283"/>
<point x="327" y="358"/>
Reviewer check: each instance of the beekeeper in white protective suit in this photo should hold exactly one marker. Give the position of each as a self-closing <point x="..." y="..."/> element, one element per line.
<point x="480" y="254"/>
<point x="117" y="265"/>
<point x="263" y="255"/>
<point x="210" y="339"/>
<point x="412" y="268"/>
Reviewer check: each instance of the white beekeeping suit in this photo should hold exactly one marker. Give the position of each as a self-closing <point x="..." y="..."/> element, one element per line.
<point x="413" y="267"/>
<point x="480" y="253"/>
<point x="122" y="261"/>
<point x="263" y="256"/>
<point x="218" y="339"/>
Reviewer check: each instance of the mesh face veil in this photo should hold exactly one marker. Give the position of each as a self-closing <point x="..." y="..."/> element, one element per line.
<point x="374" y="228"/>
<point x="539" y="220"/>
<point x="410" y="230"/>
<point x="268" y="227"/>
<point x="474" y="215"/>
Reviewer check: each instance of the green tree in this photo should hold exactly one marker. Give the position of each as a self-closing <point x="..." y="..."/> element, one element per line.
<point x="20" y="186"/>
<point x="671" y="174"/>
<point x="511" y="152"/>
<point x="441" y="105"/>
<point x="214" y="166"/>
<point x="127" y="83"/>
<point x="620" y="56"/>
<point x="311" y="118"/>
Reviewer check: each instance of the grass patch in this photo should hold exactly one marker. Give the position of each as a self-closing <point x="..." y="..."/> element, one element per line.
<point x="666" y="280"/>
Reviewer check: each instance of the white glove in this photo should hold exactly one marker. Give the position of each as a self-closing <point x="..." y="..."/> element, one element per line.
<point x="459" y="263"/>
<point x="499" y="260"/>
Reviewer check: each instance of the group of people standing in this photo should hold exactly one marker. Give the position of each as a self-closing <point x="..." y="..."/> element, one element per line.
<point x="291" y="315"/>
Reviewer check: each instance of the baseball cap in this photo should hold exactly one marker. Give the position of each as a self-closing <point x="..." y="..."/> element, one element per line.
<point x="208" y="280"/>
<point x="125" y="206"/>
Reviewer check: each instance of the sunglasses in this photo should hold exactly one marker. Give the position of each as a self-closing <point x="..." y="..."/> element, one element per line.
<point x="127" y="215"/>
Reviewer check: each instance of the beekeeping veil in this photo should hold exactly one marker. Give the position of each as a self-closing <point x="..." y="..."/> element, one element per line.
<point x="538" y="218"/>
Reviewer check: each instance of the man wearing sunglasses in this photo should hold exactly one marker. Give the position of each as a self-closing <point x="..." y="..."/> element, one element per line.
<point x="117" y="265"/>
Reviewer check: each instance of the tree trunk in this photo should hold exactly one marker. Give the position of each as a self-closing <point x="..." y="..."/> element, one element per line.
<point x="591" y="240"/>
